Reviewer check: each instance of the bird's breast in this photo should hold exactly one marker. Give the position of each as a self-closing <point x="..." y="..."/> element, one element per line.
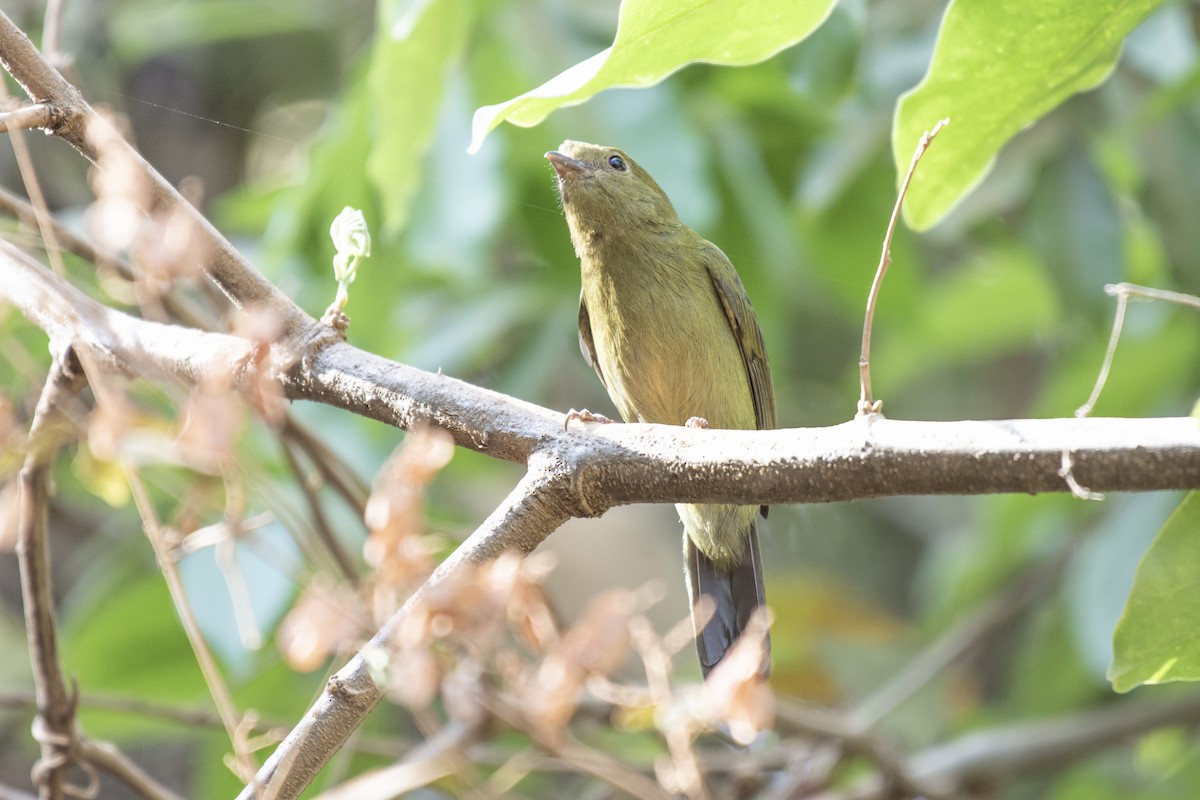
<point x="664" y="345"/>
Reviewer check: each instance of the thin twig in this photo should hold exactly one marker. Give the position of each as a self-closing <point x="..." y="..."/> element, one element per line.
<point x="584" y="759"/>
<point x="1113" y="338"/>
<point x="109" y="759"/>
<point x="51" y="429"/>
<point x="22" y="210"/>
<point x="866" y="403"/>
<point x="320" y="522"/>
<point x="1026" y="748"/>
<point x="340" y="475"/>
<point x="208" y="665"/>
<point x="32" y="185"/>
<point x="437" y="758"/>
<point x="9" y="793"/>
<point x="1124" y="291"/>
<point x="192" y="717"/>
<point x="52" y="32"/>
<point x="273" y="728"/>
<point x="26" y="118"/>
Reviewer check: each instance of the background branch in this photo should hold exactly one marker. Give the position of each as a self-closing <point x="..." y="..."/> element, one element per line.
<point x="995" y="755"/>
<point x="52" y="427"/>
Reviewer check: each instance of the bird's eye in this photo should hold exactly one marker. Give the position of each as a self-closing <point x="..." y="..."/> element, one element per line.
<point x="617" y="163"/>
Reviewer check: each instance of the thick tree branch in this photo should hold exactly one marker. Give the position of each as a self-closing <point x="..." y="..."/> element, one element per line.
<point x="619" y="464"/>
<point x="869" y="457"/>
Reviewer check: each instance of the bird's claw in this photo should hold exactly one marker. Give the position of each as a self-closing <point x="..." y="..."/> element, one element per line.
<point x="696" y="422"/>
<point x="583" y="416"/>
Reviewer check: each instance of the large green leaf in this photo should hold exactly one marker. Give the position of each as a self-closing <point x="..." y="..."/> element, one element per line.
<point x="998" y="66"/>
<point x="1155" y="641"/>
<point x="417" y="42"/>
<point x="656" y="38"/>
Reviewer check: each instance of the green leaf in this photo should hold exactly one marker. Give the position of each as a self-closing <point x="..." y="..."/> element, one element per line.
<point x="1155" y="641"/>
<point x="997" y="67"/>
<point x="655" y="39"/>
<point x="418" y="40"/>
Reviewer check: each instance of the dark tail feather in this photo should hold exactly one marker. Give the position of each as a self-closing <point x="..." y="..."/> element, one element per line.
<point x="735" y="594"/>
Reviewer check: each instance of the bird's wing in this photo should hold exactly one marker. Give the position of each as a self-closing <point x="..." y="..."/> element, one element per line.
<point x="586" y="345"/>
<point x="746" y="333"/>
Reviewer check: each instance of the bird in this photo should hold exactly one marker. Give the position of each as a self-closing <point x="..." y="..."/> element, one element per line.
<point x="667" y="325"/>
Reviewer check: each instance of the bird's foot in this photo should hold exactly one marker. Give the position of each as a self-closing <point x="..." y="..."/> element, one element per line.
<point x="583" y="416"/>
<point x="696" y="422"/>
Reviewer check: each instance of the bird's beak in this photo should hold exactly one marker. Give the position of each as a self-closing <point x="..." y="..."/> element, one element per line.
<point x="564" y="165"/>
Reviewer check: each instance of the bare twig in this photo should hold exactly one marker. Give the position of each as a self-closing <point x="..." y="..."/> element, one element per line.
<point x="9" y="793"/>
<point x="115" y="340"/>
<point x="320" y="523"/>
<point x="33" y="185"/>
<point x="23" y="211"/>
<point x="109" y="759"/>
<point x="587" y="760"/>
<point x="182" y="309"/>
<point x="340" y="475"/>
<point x="26" y="118"/>
<point x="866" y="403"/>
<point x="52" y="427"/>
<point x="437" y="758"/>
<point x="208" y="665"/>
<point x="52" y="32"/>
<point x="1027" y="748"/>
<point x="950" y="769"/>
<point x="1123" y="292"/>
<point x="61" y="743"/>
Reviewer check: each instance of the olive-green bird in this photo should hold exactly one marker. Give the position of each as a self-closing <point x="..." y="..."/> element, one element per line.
<point x="665" y="322"/>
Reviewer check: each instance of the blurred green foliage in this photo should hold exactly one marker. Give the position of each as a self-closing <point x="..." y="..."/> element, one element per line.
<point x="790" y="165"/>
